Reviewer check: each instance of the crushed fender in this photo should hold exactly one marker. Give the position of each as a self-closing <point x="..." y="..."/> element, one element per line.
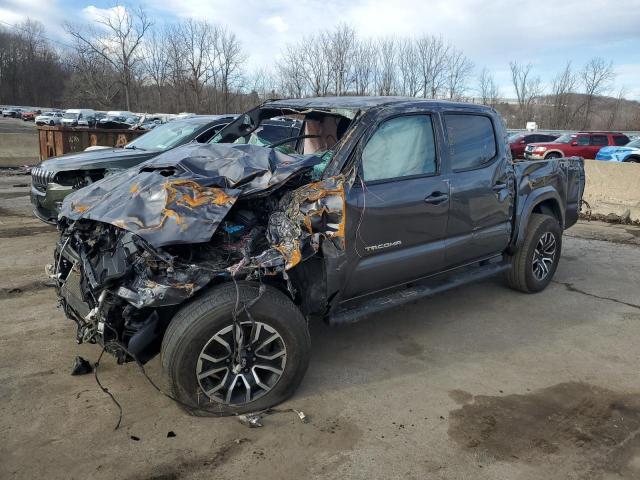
<point x="140" y="242"/>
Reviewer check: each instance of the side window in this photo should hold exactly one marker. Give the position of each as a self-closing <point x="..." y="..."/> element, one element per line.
<point x="599" y="140"/>
<point x="472" y="141"/>
<point x="400" y="147"/>
<point x="206" y="136"/>
<point x="583" y="140"/>
<point x="620" y="140"/>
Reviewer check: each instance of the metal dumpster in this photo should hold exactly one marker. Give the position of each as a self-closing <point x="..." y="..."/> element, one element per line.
<point x="56" y="141"/>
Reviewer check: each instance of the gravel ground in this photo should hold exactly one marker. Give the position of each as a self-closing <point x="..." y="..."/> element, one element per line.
<point x="477" y="383"/>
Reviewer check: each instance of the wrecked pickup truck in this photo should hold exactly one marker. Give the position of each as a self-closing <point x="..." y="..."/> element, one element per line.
<point x="218" y="255"/>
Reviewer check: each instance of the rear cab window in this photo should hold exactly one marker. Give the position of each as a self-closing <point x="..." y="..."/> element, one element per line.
<point x="400" y="147"/>
<point x="472" y="140"/>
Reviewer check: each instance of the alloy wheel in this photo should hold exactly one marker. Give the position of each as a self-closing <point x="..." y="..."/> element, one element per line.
<point x="544" y="255"/>
<point x="241" y="363"/>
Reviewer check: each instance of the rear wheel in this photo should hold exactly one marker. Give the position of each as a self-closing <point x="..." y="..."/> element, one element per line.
<point x="535" y="262"/>
<point x="216" y="367"/>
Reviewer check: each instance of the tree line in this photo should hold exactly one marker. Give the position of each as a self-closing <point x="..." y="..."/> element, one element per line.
<point x="123" y="60"/>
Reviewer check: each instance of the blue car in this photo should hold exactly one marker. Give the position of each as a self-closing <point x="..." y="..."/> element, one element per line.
<point x="629" y="153"/>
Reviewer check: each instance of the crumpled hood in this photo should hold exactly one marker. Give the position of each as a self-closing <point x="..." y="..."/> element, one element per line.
<point x="98" y="159"/>
<point x="182" y="195"/>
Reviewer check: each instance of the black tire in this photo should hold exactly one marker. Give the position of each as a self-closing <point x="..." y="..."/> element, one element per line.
<point x="552" y="155"/>
<point x="522" y="275"/>
<point x="51" y="123"/>
<point x="632" y="160"/>
<point x="195" y="324"/>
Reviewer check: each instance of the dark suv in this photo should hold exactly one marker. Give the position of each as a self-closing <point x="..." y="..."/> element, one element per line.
<point x="518" y="141"/>
<point x="581" y="144"/>
<point x="219" y="255"/>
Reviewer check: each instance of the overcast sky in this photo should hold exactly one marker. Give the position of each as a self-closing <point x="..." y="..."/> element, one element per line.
<point x="546" y="33"/>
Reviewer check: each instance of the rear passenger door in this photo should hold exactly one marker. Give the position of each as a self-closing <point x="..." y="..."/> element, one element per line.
<point x="597" y="142"/>
<point x="482" y="189"/>
<point x="397" y="209"/>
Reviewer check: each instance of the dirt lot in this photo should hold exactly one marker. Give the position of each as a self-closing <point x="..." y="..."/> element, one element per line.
<point x="478" y="383"/>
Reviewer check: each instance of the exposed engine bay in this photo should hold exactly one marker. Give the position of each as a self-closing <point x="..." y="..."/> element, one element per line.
<point x="137" y="244"/>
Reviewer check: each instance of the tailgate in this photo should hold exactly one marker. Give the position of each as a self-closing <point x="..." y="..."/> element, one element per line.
<point x="574" y="168"/>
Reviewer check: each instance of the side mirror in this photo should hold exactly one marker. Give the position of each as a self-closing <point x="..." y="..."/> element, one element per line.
<point x="523" y="142"/>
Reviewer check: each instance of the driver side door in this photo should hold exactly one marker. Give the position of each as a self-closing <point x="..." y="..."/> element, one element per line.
<point x="398" y="207"/>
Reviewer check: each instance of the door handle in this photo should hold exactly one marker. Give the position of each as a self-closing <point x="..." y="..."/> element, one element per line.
<point x="436" y="198"/>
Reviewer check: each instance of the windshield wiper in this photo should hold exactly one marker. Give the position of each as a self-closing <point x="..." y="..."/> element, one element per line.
<point x="133" y="147"/>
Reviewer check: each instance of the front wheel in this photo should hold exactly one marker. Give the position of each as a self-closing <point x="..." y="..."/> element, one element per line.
<point x="535" y="262"/>
<point x="553" y="155"/>
<point x="216" y="367"/>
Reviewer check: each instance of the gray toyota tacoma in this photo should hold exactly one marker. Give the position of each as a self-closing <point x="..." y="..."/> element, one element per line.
<point x="217" y="256"/>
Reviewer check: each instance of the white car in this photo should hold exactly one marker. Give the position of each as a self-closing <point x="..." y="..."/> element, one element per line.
<point x="49" y="118"/>
<point x="73" y="115"/>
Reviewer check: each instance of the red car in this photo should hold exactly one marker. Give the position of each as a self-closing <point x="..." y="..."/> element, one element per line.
<point x="518" y="141"/>
<point x="29" y="115"/>
<point x="581" y="144"/>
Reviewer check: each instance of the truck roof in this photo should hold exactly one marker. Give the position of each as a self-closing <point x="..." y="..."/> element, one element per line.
<point x="602" y="132"/>
<point x="363" y="103"/>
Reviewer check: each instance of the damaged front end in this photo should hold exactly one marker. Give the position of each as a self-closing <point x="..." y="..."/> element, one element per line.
<point x="137" y="245"/>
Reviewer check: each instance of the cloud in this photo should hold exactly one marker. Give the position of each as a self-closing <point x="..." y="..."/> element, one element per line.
<point x="92" y="13"/>
<point x="546" y="33"/>
<point x="276" y="22"/>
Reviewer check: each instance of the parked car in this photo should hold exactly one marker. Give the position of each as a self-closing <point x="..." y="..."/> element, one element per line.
<point x="12" y="112"/>
<point x="218" y="255"/>
<point x="55" y="178"/>
<point x="629" y="153"/>
<point x="518" y="141"/>
<point x="27" y="116"/>
<point x="90" y="120"/>
<point x="581" y="144"/>
<point x="72" y="116"/>
<point x="115" y="119"/>
<point x="49" y="118"/>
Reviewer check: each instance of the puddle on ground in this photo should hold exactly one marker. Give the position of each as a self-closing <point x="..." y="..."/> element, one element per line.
<point x="9" y="195"/>
<point x="8" y="292"/>
<point x="26" y="231"/>
<point x="569" y="419"/>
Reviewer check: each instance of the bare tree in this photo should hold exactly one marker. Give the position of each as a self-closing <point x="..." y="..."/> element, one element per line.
<point x="365" y="66"/>
<point x="230" y="63"/>
<point x="432" y="53"/>
<point x="341" y="43"/>
<point x="155" y="61"/>
<point x="196" y="39"/>
<point x="409" y="69"/>
<point x="459" y="69"/>
<point x="596" y="76"/>
<point x="616" y="108"/>
<point x="116" y="41"/>
<point x="95" y="79"/>
<point x="488" y="89"/>
<point x="563" y="89"/>
<point x="291" y="72"/>
<point x="315" y="56"/>
<point x="385" y="64"/>
<point x="527" y="88"/>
